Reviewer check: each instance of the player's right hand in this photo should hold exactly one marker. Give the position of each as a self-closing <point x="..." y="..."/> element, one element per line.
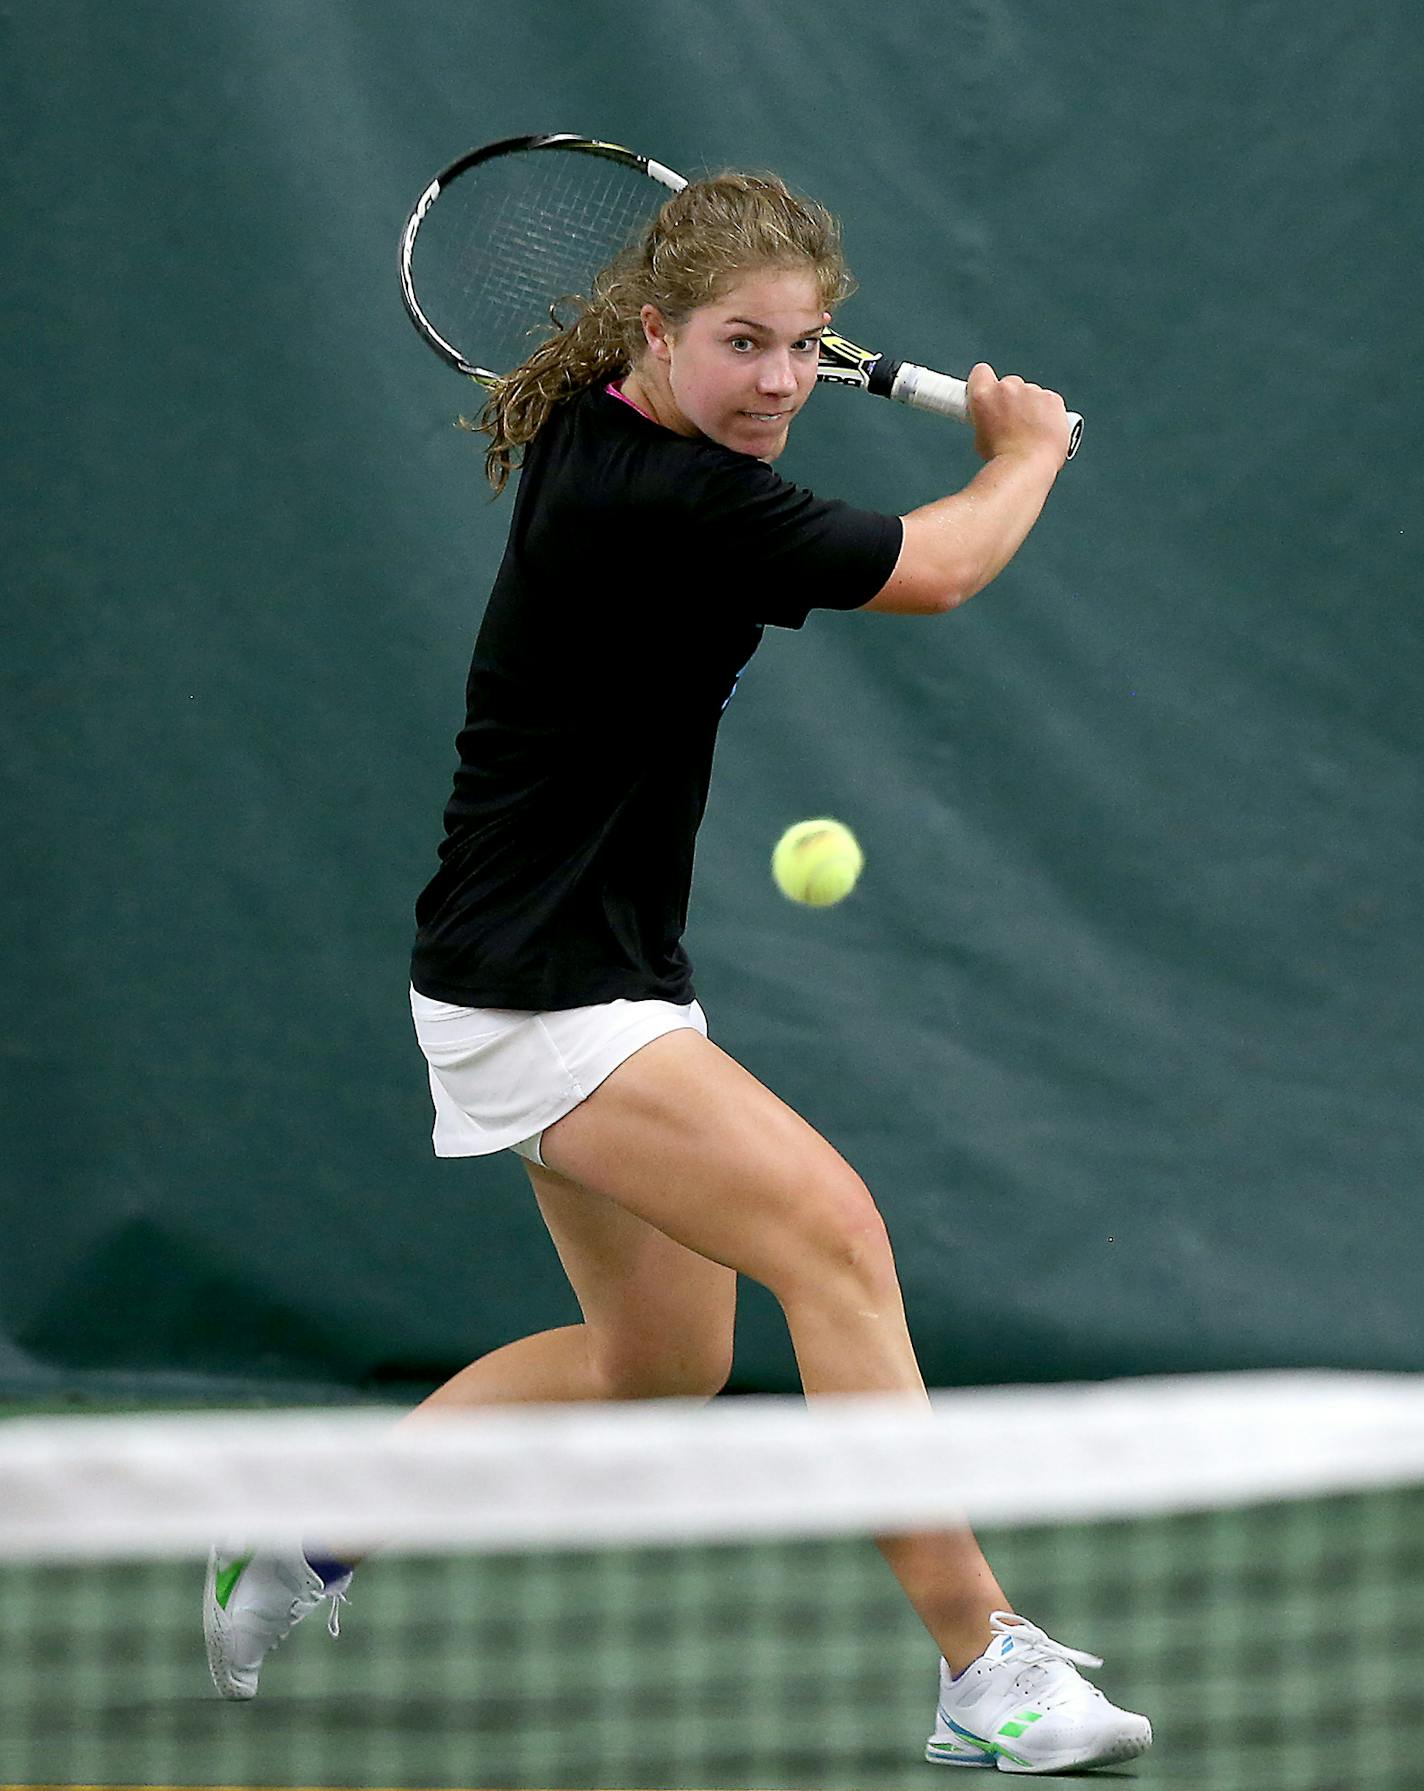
<point x="1012" y="417"/>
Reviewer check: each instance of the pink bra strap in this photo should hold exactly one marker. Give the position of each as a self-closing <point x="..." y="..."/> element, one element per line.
<point x="613" y="392"/>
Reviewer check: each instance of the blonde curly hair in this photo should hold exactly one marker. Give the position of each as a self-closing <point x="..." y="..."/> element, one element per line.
<point x="700" y="243"/>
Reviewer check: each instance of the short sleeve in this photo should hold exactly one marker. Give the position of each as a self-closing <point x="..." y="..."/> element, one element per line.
<point x="777" y="550"/>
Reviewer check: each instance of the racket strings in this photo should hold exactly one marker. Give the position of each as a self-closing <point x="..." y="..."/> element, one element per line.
<point x="512" y="237"/>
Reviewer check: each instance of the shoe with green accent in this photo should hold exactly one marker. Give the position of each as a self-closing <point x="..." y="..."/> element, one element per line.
<point x="947" y="1749"/>
<point x="1023" y="1707"/>
<point x="250" y="1603"/>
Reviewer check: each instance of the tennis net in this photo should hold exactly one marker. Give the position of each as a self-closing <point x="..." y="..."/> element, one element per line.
<point x="662" y="1597"/>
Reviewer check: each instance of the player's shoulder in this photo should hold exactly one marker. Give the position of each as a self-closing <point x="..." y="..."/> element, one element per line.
<point x="608" y="452"/>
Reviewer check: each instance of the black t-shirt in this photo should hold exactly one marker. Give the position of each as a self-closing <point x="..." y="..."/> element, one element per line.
<point x="640" y="570"/>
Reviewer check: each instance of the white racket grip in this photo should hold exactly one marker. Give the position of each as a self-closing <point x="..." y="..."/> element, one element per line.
<point x="924" y="389"/>
<point x="927" y="390"/>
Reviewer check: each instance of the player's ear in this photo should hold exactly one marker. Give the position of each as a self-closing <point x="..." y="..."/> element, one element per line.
<point x="655" y="332"/>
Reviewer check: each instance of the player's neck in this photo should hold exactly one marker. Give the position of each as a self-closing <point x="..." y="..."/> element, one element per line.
<point x="647" y="387"/>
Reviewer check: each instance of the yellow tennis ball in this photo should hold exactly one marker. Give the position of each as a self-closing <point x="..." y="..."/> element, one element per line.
<point x="817" y="862"/>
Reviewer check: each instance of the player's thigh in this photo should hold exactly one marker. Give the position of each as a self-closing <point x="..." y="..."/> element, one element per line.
<point x="685" y="1138"/>
<point x="659" y="1316"/>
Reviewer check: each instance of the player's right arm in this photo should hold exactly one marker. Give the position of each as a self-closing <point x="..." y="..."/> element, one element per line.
<point x="956" y="545"/>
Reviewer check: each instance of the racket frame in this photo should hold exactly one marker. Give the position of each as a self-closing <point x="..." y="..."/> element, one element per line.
<point x="613" y="152"/>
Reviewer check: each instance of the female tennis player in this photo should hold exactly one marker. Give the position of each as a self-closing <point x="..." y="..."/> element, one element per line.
<point x="651" y="543"/>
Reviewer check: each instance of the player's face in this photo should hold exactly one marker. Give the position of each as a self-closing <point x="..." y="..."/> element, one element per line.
<point x="739" y="369"/>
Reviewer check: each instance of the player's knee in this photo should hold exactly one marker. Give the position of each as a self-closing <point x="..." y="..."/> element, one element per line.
<point x="840" y="1247"/>
<point x="675" y="1368"/>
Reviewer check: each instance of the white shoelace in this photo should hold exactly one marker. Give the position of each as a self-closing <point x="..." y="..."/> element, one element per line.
<point x="1035" y="1643"/>
<point x="301" y="1606"/>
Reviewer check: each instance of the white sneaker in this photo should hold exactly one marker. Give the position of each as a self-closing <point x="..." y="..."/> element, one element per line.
<point x="1022" y="1707"/>
<point x="250" y="1602"/>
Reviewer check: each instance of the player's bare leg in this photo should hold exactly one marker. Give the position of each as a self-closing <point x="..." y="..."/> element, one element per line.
<point x="684" y="1138"/>
<point x="657" y="1316"/>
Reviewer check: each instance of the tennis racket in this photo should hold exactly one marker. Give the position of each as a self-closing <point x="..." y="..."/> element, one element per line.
<point x="525" y="221"/>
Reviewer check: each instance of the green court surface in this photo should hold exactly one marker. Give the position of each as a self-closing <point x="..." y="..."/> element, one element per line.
<point x="1276" y="1649"/>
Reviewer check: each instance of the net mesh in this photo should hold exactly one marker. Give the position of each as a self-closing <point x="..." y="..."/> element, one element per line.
<point x="654" y="1597"/>
<point x="512" y="236"/>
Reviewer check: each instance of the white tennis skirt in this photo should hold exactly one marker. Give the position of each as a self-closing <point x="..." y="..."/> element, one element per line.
<point x="500" y="1076"/>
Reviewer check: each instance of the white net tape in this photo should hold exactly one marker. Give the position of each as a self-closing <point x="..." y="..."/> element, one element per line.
<point x="137" y="1488"/>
